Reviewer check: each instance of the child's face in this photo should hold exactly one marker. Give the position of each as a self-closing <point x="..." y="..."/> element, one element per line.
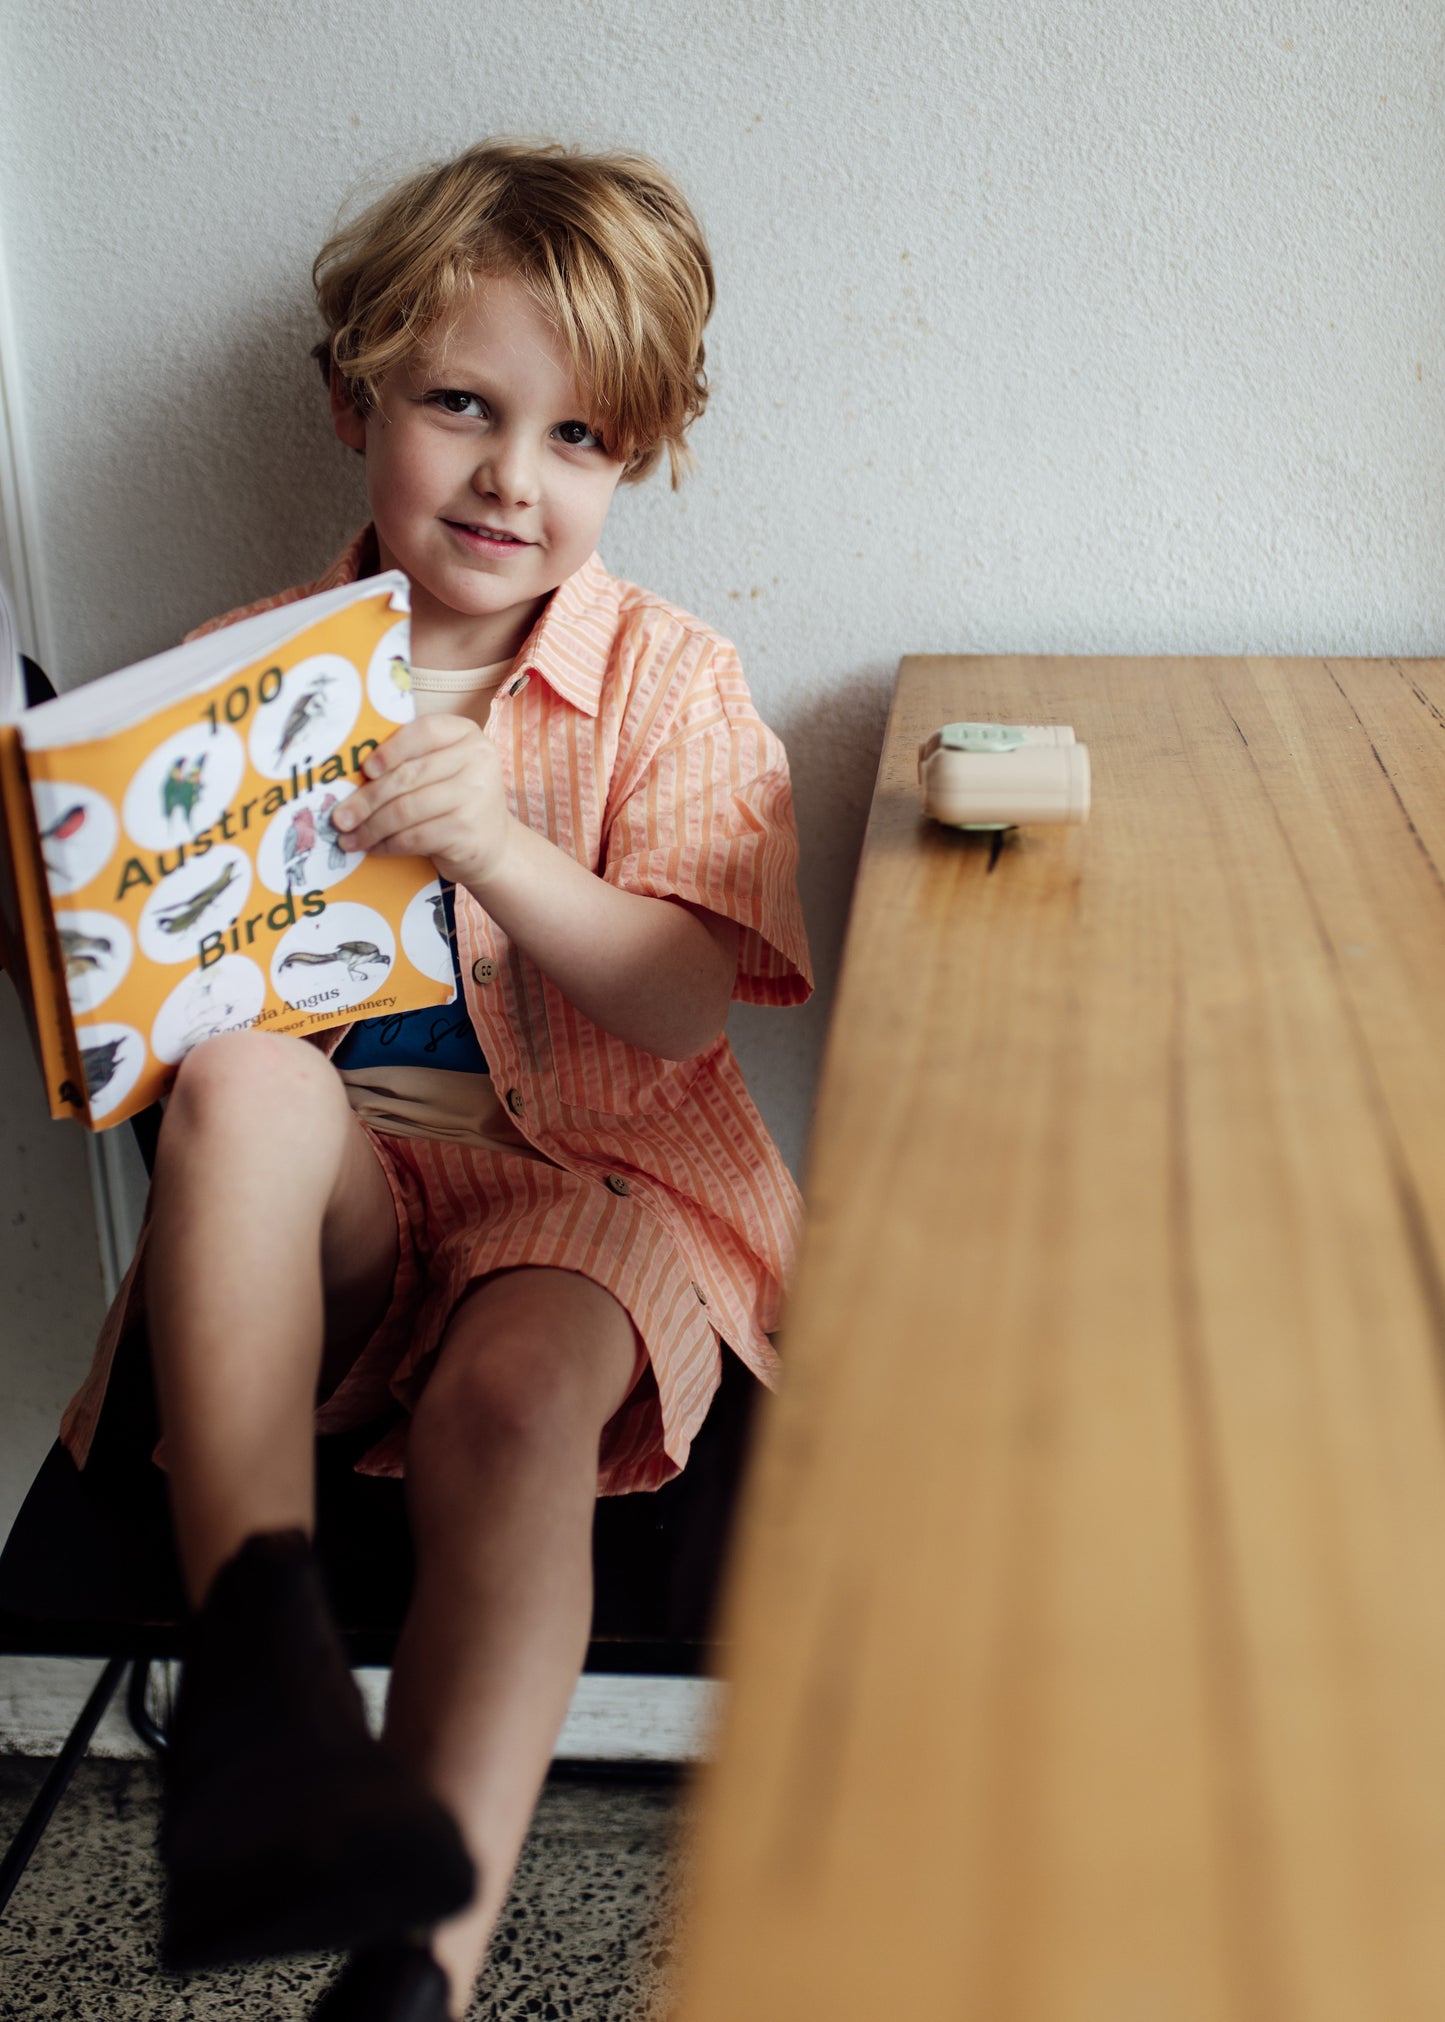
<point x="486" y="485"/>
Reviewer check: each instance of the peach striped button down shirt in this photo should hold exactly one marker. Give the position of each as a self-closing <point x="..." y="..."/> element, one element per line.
<point x="628" y="736"/>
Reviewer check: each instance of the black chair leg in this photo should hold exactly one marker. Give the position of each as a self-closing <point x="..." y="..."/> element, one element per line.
<point x="155" y="1737"/>
<point x="58" y="1781"/>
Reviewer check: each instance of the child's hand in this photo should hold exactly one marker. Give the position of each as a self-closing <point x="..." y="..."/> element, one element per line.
<point x="434" y="789"/>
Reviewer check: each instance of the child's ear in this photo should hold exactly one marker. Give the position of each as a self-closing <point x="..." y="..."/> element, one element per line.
<point x="349" y="426"/>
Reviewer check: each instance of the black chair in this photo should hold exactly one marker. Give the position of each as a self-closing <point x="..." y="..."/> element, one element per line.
<point x="89" y="1568"/>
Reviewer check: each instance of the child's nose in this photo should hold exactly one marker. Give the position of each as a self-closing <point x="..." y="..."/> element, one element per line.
<point x="507" y="471"/>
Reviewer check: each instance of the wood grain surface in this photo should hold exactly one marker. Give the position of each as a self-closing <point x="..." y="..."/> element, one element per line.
<point x="1088" y="1624"/>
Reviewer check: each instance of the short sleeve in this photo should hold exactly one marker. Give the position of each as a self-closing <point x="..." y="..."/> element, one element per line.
<point x="708" y="818"/>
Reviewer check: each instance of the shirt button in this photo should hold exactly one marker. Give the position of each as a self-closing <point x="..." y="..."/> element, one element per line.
<point x="701" y="1294"/>
<point x="483" y="969"/>
<point x="515" y="1101"/>
<point x="616" y="1184"/>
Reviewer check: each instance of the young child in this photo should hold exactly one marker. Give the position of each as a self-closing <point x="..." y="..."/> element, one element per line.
<point x="540" y="1240"/>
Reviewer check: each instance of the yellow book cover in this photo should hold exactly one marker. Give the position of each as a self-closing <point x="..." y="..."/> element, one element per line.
<point x="179" y="827"/>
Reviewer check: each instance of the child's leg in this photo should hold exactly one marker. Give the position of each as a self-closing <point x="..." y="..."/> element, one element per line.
<point x="286" y="1827"/>
<point x="501" y="1482"/>
<point x="265" y="1190"/>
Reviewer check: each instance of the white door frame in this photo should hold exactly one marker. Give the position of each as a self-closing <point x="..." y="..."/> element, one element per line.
<point x="21" y="560"/>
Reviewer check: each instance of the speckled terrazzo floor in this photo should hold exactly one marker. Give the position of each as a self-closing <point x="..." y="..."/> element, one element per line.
<point x="586" y="1936"/>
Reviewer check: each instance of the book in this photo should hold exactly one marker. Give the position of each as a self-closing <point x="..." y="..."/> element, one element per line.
<point x="168" y="865"/>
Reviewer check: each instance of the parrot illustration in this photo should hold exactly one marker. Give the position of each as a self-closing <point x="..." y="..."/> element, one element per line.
<point x="181" y="788"/>
<point x="300" y="841"/>
<point x="61" y="830"/>
<point x="327" y="830"/>
<point x="303" y="711"/>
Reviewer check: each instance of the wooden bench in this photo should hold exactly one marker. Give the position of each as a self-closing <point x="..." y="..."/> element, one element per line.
<point x="1089" y="1627"/>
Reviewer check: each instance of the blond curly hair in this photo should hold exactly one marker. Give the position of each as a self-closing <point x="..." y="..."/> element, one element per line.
<point x="607" y="245"/>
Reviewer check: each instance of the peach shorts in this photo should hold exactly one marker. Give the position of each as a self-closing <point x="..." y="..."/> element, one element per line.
<point x="464" y="1211"/>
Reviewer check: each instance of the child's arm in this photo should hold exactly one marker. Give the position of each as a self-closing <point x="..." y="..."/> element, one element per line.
<point x="654" y="972"/>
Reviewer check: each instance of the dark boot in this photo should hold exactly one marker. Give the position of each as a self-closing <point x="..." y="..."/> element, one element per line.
<point x="386" y="1983"/>
<point x="286" y="1827"/>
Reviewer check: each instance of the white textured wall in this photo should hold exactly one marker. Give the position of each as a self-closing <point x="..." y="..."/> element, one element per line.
<point x="1067" y="324"/>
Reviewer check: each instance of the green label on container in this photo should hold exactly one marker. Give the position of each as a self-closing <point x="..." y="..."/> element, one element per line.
<point x="981" y="737"/>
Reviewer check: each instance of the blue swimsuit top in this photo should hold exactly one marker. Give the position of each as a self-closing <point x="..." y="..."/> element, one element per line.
<point x="439" y="1035"/>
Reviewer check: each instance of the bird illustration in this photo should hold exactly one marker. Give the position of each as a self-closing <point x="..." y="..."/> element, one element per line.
<point x="354" y="955"/>
<point x="326" y="829"/>
<point x="438" y="903"/>
<point x="181" y="788"/>
<point x="400" y="675"/>
<point x="183" y="915"/>
<point x="61" y="830"/>
<point x="82" y="953"/>
<point x="207" y="1017"/>
<point x="303" y="711"/>
<point x="65" y="826"/>
<point x="300" y="841"/>
<point x="98" y="1065"/>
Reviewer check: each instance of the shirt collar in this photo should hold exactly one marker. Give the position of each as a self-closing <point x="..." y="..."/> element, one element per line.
<point x="357" y="559"/>
<point x="570" y="644"/>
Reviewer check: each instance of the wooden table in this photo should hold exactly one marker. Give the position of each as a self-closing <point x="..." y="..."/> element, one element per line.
<point x="1089" y="1620"/>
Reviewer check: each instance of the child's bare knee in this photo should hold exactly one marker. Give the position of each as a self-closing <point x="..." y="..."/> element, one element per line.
<point x="505" y="1392"/>
<point x="246" y="1080"/>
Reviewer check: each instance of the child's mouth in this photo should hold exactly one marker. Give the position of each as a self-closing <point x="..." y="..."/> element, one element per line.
<point x="489" y="540"/>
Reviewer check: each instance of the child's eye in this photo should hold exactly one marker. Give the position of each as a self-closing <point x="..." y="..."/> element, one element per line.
<point x="577" y="435"/>
<point x="451" y="400"/>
